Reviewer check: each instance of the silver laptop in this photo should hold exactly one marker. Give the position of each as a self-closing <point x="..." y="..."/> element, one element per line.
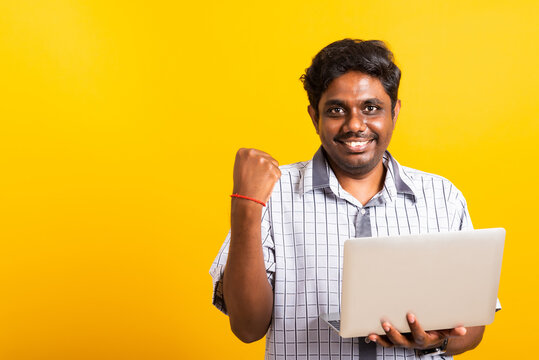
<point x="446" y="279"/>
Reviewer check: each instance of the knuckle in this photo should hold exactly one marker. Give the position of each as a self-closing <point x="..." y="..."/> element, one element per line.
<point x="250" y="153"/>
<point x="244" y="154"/>
<point x="240" y="152"/>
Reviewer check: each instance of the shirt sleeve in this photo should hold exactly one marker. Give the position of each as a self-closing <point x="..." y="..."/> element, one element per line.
<point x="462" y="221"/>
<point x="218" y="266"/>
<point x="461" y="217"/>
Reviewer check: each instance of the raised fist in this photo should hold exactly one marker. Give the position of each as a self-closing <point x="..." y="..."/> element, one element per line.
<point x="255" y="174"/>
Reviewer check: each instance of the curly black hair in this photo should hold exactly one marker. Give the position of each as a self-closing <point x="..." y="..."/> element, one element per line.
<point x="371" y="57"/>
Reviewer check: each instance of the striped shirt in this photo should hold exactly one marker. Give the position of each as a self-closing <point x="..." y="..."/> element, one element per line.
<point x="304" y="226"/>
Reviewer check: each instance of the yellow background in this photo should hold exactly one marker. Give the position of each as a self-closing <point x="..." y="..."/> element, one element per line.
<point x="119" y="122"/>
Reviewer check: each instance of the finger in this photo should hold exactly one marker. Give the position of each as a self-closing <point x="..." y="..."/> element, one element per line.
<point x="266" y="156"/>
<point x="255" y="154"/>
<point x="394" y="336"/>
<point x="458" y="331"/>
<point x="382" y="340"/>
<point x="419" y="335"/>
<point x="274" y="162"/>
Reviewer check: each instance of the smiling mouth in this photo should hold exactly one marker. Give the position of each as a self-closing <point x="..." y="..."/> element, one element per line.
<point x="356" y="143"/>
<point x="356" y="146"/>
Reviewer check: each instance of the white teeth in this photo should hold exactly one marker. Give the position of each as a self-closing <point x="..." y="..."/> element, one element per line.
<point x="356" y="143"/>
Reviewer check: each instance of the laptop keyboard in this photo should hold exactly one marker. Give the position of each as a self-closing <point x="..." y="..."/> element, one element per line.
<point x="336" y="324"/>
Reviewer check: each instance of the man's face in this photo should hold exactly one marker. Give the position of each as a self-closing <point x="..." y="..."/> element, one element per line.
<point x="355" y="123"/>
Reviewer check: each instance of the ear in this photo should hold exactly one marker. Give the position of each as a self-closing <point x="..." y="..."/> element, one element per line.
<point x="396" y="111"/>
<point x="314" y="119"/>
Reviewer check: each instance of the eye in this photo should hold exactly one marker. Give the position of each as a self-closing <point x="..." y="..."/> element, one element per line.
<point x="371" y="108"/>
<point x="335" y="111"/>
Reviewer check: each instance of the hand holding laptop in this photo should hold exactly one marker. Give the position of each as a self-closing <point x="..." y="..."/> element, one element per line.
<point x="467" y="263"/>
<point x="418" y="338"/>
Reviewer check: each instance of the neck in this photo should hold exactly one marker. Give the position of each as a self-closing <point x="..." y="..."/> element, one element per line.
<point x="362" y="186"/>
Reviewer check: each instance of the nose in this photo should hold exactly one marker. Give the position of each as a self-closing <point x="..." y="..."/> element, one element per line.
<point x="356" y="123"/>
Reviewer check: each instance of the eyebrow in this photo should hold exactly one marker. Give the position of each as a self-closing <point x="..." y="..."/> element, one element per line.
<point x="373" y="101"/>
<point x="334" y="102"/>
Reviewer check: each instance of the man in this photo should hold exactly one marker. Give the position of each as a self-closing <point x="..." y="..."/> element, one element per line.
<point x="279" y="268"/>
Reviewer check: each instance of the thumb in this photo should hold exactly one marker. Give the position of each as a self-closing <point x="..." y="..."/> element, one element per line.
<point x="458" y="331"/>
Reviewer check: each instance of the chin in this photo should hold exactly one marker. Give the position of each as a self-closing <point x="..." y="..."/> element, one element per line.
<point x="355" y="168"/>
<point x="359" y="167"/>
<point x="354" y="164"/>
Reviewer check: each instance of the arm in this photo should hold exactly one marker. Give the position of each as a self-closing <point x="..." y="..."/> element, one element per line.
<point x="460" y="339"/>
<point x="247" y="292"/>
<point x="461" y="344"/>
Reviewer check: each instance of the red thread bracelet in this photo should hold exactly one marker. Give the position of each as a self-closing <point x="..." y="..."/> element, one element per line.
<point x="248" y="198"/>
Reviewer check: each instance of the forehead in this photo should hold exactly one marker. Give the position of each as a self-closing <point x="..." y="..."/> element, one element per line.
<point x="355" y="86"/>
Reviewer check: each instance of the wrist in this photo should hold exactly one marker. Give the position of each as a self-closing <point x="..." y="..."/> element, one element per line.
<point x="246" y="207"/>
<point x="243" y="197"/>
<point x="438" y="350"/>
<point x="245" y="217"/>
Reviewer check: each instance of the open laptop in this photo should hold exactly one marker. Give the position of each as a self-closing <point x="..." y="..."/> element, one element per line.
<point x="446" y="279"/>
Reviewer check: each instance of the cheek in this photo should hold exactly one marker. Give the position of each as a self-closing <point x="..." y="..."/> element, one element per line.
<point x="328" y="131"/>
<point x="381" y="126"/>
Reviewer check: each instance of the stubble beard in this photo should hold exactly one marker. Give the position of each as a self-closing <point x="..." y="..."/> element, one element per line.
<point x="355" y="169"/>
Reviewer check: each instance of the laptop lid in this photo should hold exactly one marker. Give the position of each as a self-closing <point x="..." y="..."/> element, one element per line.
<point x="446" y="279"/>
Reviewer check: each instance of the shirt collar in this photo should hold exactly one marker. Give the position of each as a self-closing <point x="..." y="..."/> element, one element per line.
<point x="320" y="170"/>
<point x="318" y="175"/>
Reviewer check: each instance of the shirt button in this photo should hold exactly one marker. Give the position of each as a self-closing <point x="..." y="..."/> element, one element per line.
<point x="363" y="211"/>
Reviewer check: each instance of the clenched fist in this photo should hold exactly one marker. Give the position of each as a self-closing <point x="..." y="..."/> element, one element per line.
<point x="255" y="174"/>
